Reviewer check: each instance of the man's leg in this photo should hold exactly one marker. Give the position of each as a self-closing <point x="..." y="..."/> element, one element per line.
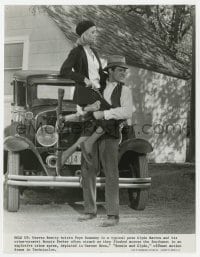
<point x="89" y="173"/>
<point x="109" y="157"/>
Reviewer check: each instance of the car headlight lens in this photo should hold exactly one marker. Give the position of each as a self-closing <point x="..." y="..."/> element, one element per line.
<point x="47" y="136"/>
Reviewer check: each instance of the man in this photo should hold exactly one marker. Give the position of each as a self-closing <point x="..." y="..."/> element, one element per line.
<point x="105" y="150"/>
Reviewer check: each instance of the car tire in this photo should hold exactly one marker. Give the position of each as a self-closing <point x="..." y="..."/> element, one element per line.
<point x="13" y="191"/>
<point x="139" y="169"/>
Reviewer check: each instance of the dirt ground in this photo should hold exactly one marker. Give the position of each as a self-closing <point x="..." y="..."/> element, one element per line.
<point x="170" y="209"/>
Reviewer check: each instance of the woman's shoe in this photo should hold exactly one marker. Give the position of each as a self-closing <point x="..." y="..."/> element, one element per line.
<point x="93" y="107"/>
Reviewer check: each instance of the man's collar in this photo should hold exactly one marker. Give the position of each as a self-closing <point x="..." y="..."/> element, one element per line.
<point x="114" y="83"/>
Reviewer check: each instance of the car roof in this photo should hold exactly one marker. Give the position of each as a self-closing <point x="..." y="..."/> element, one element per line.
<point x="41" y="76"/>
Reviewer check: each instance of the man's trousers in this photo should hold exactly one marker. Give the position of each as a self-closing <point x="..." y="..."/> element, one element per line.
<point x="105" y="150"/>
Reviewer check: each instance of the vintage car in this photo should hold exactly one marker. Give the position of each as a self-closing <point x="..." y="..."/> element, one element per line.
<point x="35" y="139"/>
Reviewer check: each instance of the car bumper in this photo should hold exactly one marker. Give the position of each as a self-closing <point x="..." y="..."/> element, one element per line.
<point x="67" y="181"/>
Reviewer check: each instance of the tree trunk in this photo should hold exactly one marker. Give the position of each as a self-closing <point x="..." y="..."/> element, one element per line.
<point x="192" y="102"/>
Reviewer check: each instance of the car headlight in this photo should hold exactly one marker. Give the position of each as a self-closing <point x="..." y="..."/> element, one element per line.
<point x="18" y="114"/>
<point x="47" y="136"/>
<point x="29" y="115"/>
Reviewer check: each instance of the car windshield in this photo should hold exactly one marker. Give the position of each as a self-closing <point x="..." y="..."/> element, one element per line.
<point x="51" y="92"/>
<point x="44" y="94"/>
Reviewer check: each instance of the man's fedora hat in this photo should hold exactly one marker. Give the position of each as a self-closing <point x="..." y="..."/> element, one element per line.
<point x="116" y="61"/>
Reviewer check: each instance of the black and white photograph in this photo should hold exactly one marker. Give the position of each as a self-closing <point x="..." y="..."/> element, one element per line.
<point x="99" y="128"/>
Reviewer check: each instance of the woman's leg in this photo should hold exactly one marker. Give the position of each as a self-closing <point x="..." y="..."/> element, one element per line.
<point x="87" y="145"/>
<point x="67" y="153"/>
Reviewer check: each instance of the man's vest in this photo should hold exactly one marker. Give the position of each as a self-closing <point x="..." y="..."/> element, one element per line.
<point x="128" y="131"/>
<point x="112" y="127"/>
<point x="116" y="95"/>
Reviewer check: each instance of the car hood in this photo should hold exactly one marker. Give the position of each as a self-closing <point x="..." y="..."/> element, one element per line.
<point x="66" y="107"/>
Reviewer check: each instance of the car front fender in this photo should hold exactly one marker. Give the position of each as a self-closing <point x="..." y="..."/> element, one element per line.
<point x="137" y="145"/>
<point x="19" y="143"/>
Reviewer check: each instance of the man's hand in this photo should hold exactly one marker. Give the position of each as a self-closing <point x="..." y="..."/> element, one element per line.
<point x="60" y="122"/>
<point x="99" y="115"/>
<point x="61" y="118"/>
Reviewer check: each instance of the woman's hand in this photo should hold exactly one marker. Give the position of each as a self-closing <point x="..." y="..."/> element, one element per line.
<point x="87" y="82"/>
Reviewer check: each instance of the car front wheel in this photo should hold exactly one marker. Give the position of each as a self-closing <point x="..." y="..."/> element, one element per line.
<point x="13" y="191"/>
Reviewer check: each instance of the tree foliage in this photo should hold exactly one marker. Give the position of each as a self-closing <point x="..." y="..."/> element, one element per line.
<point x="133" y="31"/>
<point x="172" y="23"/>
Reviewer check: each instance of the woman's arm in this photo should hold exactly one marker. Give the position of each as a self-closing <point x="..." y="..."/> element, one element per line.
<point x="67" y="68"/>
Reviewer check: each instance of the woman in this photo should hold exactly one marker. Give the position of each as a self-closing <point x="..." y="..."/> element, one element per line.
<point x="83" y="64"/>
<point x="84" y="67"/>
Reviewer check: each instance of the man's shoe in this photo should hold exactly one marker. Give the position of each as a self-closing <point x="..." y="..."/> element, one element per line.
<point x="87" y="216"/>
<point x="112" y="220"/>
